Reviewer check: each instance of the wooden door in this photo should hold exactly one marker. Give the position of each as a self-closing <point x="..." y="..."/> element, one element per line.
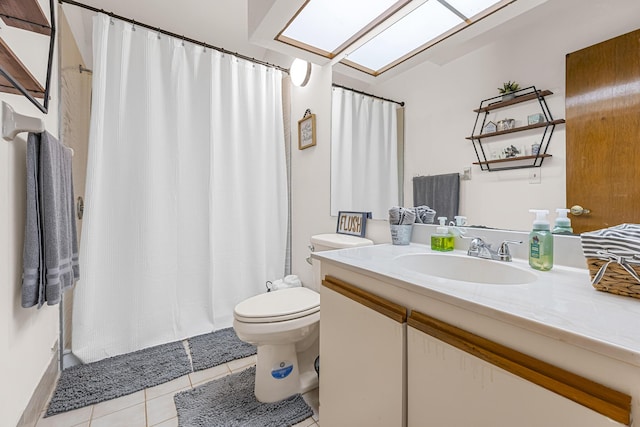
<point x="603" y="132"/>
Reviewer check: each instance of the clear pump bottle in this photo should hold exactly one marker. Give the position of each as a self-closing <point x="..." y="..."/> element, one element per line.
<point x="563" y="223"/>
<point x="541" y="242"/>
<point x="442" y="240"/>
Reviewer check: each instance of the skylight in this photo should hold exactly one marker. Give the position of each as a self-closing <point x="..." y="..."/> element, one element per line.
<point x="405" y="35"/>
<point x="330" y="27"/>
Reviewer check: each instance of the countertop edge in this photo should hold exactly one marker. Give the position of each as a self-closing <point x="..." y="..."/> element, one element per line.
<point x="585" y="342"/>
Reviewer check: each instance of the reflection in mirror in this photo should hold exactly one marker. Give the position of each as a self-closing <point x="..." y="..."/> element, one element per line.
<point x="366" y="153"/>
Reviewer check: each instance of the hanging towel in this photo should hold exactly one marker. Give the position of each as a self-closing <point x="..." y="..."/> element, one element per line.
<point x="440" y="192"/>
<point x="50" y="258"/>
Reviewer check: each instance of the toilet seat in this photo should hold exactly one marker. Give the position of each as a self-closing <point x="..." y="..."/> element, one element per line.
<point x="278" y="306"/>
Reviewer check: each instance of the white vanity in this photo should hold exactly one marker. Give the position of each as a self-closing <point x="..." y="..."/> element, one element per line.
<point x="401" y="347"/>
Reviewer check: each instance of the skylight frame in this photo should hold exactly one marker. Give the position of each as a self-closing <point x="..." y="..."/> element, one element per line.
<point x="379" y="21"/>
<point x="468" y="22"/>
<point x="395" y="7"/>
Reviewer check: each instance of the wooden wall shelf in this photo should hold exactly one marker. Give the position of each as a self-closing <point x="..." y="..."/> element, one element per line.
<point x="518" y="129"/>
<point x="25" y="14"/>
<point x="511" y="159"/>
<point x="518" y="99"/>
<point x="15" y="77"/>
<point x="491" y="104"/>
<point x="12" y="64"/>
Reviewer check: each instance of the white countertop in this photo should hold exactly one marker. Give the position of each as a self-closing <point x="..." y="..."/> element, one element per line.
<point x="561" y="303"/>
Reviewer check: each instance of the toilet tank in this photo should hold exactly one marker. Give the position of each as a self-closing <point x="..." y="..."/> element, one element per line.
<point x="327" y="242"/>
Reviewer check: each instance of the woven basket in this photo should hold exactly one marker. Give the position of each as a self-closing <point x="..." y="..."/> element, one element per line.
<point x="613" y="258"/>
<point x="616" y="279"/>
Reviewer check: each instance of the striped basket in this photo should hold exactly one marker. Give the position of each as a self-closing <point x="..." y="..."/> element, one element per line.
<point x="613" y="259"/>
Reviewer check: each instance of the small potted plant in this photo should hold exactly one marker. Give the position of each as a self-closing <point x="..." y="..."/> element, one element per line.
<point x="507" y="90"/>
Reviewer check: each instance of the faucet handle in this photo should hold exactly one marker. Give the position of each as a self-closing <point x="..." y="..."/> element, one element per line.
<point x="475" y="246"/>
<point x="503" y="253"/>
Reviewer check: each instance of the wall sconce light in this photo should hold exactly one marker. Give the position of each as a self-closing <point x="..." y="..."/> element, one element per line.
<point x="300" y="72"/>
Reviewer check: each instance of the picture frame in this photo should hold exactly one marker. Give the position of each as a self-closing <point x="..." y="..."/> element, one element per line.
<point x="307" y="131"/>
<point x="352" y="223"/>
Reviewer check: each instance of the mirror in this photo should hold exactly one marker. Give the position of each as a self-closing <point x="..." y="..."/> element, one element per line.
<point x="23" y="69"/>
<point x="456" y="74"/>
<point x="367" y="152"/>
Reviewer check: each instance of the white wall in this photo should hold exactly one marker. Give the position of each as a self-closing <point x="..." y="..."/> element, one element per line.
<point x="309" y="167"/>
<point x="440" y="100"/>
<point x="27" y="336"/>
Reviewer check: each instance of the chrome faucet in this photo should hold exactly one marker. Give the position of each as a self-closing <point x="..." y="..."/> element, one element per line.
<point x="479" y="248"/>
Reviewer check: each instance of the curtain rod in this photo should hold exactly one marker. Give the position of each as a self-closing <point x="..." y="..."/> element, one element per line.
<point x="177" y="36"/>
<point x="400" y="103"/>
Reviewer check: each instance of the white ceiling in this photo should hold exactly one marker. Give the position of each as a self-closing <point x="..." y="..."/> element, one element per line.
<point x="250" y="26"/>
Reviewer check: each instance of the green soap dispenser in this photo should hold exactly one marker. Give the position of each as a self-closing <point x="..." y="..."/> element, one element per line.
<point x="563" y="224"/>
<point x="442" y="240"/>
<point x="541" y="242"/>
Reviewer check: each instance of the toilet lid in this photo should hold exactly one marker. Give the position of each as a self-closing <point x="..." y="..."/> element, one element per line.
<point x="279" y="305"/>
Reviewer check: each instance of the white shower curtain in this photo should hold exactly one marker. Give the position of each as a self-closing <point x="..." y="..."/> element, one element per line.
<point x="186" y="199"/>
<point x="364" y="154"/>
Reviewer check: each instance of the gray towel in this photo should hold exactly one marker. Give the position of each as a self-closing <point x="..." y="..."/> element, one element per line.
<point x="424" y="214"/>
<point x="50" y="258"/>
<point x="401" y="216"/>
<point x="440" y="192"/>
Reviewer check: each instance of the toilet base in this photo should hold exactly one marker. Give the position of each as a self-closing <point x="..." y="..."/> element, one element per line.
<point x="281" y="371"/>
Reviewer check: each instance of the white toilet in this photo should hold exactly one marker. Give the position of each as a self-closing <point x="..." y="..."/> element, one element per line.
<point x="284" y="325"/>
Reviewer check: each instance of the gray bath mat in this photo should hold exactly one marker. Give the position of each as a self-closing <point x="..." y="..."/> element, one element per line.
<point x="230" y="402"/>
<point x="117" y="376"/>
<point x="218" y="347"/>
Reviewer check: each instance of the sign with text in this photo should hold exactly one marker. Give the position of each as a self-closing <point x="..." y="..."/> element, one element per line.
<point x="352" y="223"/>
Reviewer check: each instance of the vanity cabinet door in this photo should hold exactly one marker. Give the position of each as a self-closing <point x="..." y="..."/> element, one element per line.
<point x="450" y="387"/>
<point x="362" y="358"/>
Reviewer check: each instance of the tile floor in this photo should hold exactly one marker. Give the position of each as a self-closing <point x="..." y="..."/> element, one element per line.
<point x="154" y="406"/>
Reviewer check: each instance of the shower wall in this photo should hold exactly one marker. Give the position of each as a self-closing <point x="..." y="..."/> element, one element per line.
<point x="75" y="113"/>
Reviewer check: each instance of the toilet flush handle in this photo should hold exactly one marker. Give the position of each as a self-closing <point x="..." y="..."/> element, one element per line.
<point x="309" y="260"/>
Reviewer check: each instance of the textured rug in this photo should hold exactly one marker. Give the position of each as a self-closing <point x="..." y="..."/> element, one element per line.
<point x="117" y="376"/>
<point x="216" y="348"/>
<point x="230" y="402"/>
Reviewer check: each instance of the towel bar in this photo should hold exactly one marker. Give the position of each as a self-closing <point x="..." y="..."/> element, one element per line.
<point x="14" y="123"/>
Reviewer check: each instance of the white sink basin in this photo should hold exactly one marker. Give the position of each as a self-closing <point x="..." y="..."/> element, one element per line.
<point x="466" y="269"/>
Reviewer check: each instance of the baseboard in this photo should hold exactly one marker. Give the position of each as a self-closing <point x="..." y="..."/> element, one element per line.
<point x="41" y="394"/>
